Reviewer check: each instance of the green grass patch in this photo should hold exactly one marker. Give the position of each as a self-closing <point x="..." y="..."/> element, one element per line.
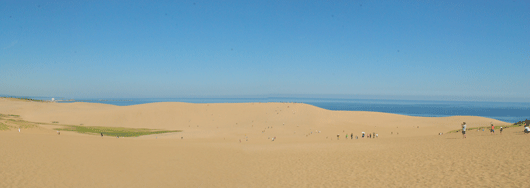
<point x="3" y="116"/>
<point x="14" y="121"/>
<point x="113" y="131"/>
<point x="4" y="127"/>
<point x="22" y="124"/>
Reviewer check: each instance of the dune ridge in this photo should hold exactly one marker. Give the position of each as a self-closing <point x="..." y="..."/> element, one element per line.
<point x="184" y="116"/>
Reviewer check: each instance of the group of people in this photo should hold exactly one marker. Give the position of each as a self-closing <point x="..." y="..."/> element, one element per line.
<point x="492" y="130"/>
<point x="363" y="135"/>
<point x="371" y="135"/>
<point x="464" y="127"/>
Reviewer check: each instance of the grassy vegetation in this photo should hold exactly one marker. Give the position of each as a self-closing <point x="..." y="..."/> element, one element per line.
<point x="487" y="128"/>
<point x="26" y="99"/>
<point x="4" y="127"/>
<point x="113" y="131"/>
<point x="9" y="116"/>
<point x="14" y="121"/>
<point x="22" y="124"/>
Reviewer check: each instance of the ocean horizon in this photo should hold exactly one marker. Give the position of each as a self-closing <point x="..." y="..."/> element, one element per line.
<point x="504" y="111"/>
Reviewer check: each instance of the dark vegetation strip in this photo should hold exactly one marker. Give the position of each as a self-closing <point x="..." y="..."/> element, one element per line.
<point x="23" y="98"/>
<point x="10" y="121"/>
<point x="113" y="131"/>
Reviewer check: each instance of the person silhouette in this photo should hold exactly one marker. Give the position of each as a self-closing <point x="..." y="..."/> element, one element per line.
<point x="464" y="129"/>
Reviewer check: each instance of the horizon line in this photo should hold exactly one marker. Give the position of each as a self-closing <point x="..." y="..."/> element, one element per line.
<point x="311" y="96"/>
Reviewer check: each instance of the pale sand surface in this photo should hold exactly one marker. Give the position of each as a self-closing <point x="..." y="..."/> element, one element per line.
<point x="210" y="154"/>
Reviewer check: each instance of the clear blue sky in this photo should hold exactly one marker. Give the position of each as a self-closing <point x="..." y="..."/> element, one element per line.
<point x="470" y="50"/>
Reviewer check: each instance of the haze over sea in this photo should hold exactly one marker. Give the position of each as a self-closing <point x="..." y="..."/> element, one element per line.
<point x="505" y="111"/>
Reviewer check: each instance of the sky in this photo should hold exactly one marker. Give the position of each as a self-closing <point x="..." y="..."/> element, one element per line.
<point x="410" y="49"/>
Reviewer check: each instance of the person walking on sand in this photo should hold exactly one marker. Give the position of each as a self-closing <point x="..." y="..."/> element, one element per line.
<point x="19" y="129"/>
<point x="492" y="129"/>
<point x="351" y="136"/>
<point x="500" y="131"/>
<point x="338" y="136"/>
<point x="362" y="135"/>
<point x="464" y="130"/>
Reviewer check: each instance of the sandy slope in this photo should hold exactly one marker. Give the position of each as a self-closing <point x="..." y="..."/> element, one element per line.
<point x="210" y="155"/>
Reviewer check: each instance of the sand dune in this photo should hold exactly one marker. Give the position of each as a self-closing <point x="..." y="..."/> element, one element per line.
<point x="408" y="153"/>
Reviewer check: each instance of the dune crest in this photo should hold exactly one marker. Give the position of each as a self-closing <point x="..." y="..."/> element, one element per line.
<point x="235" y="118"/>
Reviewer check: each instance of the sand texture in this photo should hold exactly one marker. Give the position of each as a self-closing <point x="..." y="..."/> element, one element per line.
<point x="306" y="152"/>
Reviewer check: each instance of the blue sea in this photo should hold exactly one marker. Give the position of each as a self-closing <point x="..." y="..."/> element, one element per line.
<point x="505" y="111"/>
